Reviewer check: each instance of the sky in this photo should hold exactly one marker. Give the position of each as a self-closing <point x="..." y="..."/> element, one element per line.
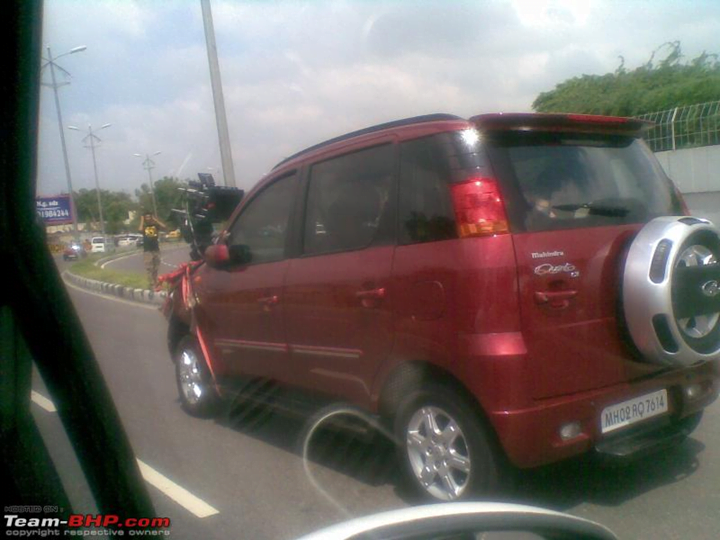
<point x="296" y="73"/>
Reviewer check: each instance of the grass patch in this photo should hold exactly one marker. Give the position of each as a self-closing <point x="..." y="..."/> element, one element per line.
<point x="87" y="269"/>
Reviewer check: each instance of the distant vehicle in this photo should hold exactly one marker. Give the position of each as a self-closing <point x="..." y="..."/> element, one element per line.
<point x="101" y="245"/>
<point x="128" y="240"/>
<point x="73" y="252"/>
<point x="173" y="236"/>
<point x="512" y="288"/>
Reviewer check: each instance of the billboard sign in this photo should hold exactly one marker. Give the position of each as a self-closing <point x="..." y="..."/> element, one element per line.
<point x="54" y="210"/>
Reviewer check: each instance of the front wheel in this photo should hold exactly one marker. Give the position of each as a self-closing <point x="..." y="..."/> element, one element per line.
<point x="195" y="386"/>
<point x="446" y="450"/>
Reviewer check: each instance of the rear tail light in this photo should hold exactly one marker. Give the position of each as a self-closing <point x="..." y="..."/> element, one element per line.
<point x="479" y="208"/>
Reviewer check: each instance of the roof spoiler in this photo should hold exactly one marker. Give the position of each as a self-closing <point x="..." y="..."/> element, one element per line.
<point x="576" y="123"/>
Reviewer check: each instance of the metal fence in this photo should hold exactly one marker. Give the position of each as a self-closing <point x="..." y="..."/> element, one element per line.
<point x="684" y="127"/>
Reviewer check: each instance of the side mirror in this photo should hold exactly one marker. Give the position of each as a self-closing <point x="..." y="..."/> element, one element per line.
<point x="217" y="255"/>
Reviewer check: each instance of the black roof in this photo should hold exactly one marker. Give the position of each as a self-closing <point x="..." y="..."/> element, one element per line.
<point x="387" y="125"/>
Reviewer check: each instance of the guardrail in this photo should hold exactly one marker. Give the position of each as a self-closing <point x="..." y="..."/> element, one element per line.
<point x="684" y="127"/>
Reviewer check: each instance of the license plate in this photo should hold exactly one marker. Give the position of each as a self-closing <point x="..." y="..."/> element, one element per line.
<point x="633" y="410"/>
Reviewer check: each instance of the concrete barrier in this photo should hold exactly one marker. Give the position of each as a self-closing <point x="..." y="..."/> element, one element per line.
<point x="145" y="296"/>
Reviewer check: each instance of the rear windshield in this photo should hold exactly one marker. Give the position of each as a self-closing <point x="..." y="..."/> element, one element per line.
<point x="564" y="181"/>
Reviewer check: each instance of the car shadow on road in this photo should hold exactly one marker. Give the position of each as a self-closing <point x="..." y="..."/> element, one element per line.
<point x="358" y="452"/>
<point x="371" y="458"/>
<point x="562" y="486"/>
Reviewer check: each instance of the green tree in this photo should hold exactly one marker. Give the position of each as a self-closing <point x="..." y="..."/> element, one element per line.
<point x="116" y="211"/>
<point x="655" y="86"/>
<point x="116" y="208"/>
<point x="167" y="197"/>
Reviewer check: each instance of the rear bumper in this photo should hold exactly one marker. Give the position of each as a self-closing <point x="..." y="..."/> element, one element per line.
<point x="646" y="440"/>
<point x="531" y="436"/>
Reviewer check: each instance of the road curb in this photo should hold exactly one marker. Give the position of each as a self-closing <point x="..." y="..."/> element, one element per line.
<point x="145" y="296"/>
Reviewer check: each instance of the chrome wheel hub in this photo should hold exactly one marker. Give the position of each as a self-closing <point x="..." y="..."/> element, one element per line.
<point x="698" y="326"/>
<point x="438" y="453"/>
<point x="191" y="377"/>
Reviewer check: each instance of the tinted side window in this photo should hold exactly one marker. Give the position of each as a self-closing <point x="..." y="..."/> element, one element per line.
<point x="426" y="211"/>
<point x="348" y="201"/>
<point x="262" y="226"/>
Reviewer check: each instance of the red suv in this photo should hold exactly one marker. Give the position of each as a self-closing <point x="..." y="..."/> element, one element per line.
<point x="503" y="289"/>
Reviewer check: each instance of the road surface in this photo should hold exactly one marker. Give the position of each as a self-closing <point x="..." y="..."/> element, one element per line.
<point x="171" y="254"/>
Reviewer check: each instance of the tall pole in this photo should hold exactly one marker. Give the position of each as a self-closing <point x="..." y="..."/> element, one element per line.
<point x="55" y="86"/>
<point x="97" y="182"/>
<point x="216" y="82"/>
<point x="149" y="165"/>
<point x="93" y="139"/>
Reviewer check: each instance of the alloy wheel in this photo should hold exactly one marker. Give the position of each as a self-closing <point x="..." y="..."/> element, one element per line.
<point x="191" y="381"/>
<point x="438" y="453"/>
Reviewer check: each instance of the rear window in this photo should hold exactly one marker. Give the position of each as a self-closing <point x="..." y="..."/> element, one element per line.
<point x="564" y="181"/>
<point x="98" y="241"/>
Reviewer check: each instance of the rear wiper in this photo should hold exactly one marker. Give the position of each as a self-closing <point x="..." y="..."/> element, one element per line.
<point x="596" y="209"/>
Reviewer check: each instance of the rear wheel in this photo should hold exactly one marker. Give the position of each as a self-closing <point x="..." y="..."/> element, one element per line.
<point x="197" y="392"/>
<point x="445" y="449"/>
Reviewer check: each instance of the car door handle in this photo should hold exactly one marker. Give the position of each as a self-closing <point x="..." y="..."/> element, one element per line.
<point x="370" y="298"/>
<point x="555" y="299"/>
<point x="269" y="300"/>
<point x="371" y="293"/>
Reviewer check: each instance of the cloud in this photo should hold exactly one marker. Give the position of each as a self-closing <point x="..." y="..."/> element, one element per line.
<point x="296" y="73"/>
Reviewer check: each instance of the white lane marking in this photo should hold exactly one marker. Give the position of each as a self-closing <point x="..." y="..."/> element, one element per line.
<point x="177" y="493"/>
<point x="163" y="261"/>
<point x="154" y="307"/>
<point x="103" y="265"/>
<point x="42" y="401"/>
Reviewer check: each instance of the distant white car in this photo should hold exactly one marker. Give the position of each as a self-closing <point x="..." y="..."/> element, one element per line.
<point x="101" y="245"/>
<point x="128" y="240"/>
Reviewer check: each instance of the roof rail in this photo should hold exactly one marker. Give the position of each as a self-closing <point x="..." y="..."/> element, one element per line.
<point x="379" y="127"/>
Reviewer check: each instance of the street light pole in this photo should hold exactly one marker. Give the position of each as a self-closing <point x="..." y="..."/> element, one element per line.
<point x="228" y="168"/>
<point x="50" y="61"/>
<point x="149" y="165"/>
<point x="91" y="145"/>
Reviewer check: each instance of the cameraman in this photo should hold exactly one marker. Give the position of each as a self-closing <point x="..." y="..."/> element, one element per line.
<point x="150" y="228"/>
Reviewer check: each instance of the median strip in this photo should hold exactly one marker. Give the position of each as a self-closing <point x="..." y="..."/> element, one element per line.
<point x="133" y="294"/>
<point x="95" y="274"/>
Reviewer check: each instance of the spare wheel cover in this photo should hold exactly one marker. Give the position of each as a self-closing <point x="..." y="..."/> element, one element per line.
<point x="671" y="291"/>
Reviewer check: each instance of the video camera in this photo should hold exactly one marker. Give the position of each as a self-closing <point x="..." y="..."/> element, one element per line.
<point x="204" y="204"/>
